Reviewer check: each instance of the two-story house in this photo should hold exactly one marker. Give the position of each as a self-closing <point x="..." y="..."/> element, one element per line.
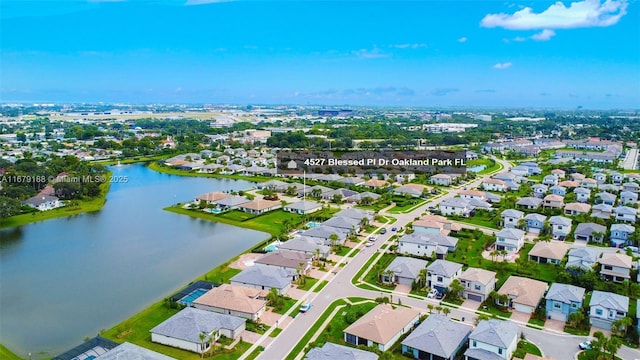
<point x="440" y="273"/>
<point x="620" y="234"/>
<point x="553" y="201"/>
<point x="576" y="208"/>
<point x="558" y="190"/>
<point x="563" y="300"/>
<point x="473" y="195"/>
<point x="530" y="203"/>
<point x="601" y="178"/>
<point x="427" y="244"/>
<point x="605" y="198"/>
<point x="494" y="185"/>
<point x="511" y="217"/>
<point x="509" y="239"/>
<point x="493" y="339"/>
<point x="625" y="213"/>
<point x="559" y="173"/>
<point x="616" y="177"/>
<point x="560" y="227"/>
<point x="477" y="283"/>
<point x="606" y="307"/>
<point x="615" y="267"/>
<point x="584" y="258"/>
<point x="602" y="211"/>
<point x="550" y="180"/>
<point x="524" y="294"/>
<point x="630" y="186"/>
<point x="539" y="190"/>
<point x="583" y="195"/>
<point x="455" y="206"/>
<point x="588" y="183"/>
<point x="628" y="197"/>
<point x="589" y="232"/>
<point x="535" y="223"/>
<point x="441" y="179"/>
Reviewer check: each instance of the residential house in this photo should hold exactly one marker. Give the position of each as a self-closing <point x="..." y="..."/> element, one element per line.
<point x="303" y="207"/>
<point x="357" y="214"/>
<point x="348" y="224"/>
<point x="511" y="217"/>
<point x="606" y="307"/>
<point x="324" y="232"/>
<point x="530" y="203"/>
<point x="584" y="258"/>
<point x="576" y="208"/>
<point x="605" y="198"/>
<point x="127" y="350"/>
<point x="211" y="198"/>
<point x="405" y="177"/>
<point x="441" y="179"/>
<point x="306" y="245"/>
<point x="183" y="329"/>
<point x="260" y="206"/>
<point x="519" y="171"/>
<point x="553" y="201"/>
<point x="43" y="202"/>
<point x="341" y="194"/>
<point x="589" y="232"/>
<point x="436" y="338"/>
<point x="231" y="202"/>
<point x="381" y="327"/>
<point x="601" y="178"/>
<point x="535" y="223"/>
<point x="625" y="213"/>
<point x="602" y="211"/>
<point x="631" y="186"/>
<point x="435" y="224"/>
<point x="583" y="195"/>
<point x="334" y="351"/>
<point x="427" y="244"/>
<point x="548" y="252"/>
<point x="628" y="197"/>
<point x="493" y="198"/>
<point x="477" y="283"/>
<point x="473" y="195"/>
<point x="455" y="206"/>
<point x="404" y="271"/>
<point x="577" y="177"/>
<point x="559" y="173"/>
<point x="560" y="227"/>
<point x="365" y="195"/>
<point x="510" y="240"/>
<point x="240" y="301"/>
<point x="588" y="183"/>
<point x="375" y="184"/>
<point x="609" y="188"/>
<point x="265" y="278"/>
<point x="558" y="190"/>
<point x="287" y="260"/>
<point x="493" y="340"/>
<point x="524" y="293"/>
<point x="440" y="273"/>
<point x="550" y="180"/>
<point x="351" y="180"/>
<point x="539" y="190"/>
<point x="413" y="190"/>
<point x="615" y="267"/>
<point x="494" y="185"/>
<point x="621" y="234"/>
<point x="569" y="184"/>
<point x="563" y="300"/>
<point x="533" y="168"/>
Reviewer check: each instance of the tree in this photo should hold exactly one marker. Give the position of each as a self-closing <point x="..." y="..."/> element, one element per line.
<point x="576" y="318"/>
<point x="446" y="311"/>
<point x="337" y="198"/>
<point x="494" y="254"/>
<point x="612" y="345"/>
<point x="598" y="343"/>
<point x="621" y="325"/>
<point x="333" y="238"/>
<point x="204" y="341"/>
<point x="430" y="307"/>
<point x="455" y="289"/>
<point x="9" y="207"/>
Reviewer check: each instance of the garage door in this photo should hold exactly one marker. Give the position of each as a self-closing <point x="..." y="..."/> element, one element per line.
<point x="474" y="297"/>
<point x="602" y="324"/>
<point x="556" y="315"/>
<point x="405" y="281"/>
<point x="523" y="308"/>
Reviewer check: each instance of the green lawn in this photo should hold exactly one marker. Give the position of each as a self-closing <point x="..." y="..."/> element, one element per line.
<point x="489" y="165"/>
<point x="536" y="322"/>
<point x="7" y="354"/>
<point x="480" y="221"/>
<point x="308" y="283"/>
<point x="334" y="331"/>
<point x="323" y="283"/>
<point x="288" y="303"/>
<point x="275" y="332"/>
<point x="81" y="206"/>
<point x="363" y="269"/>
<point x="494" y="310"/>
<point x="408" y="206"/>
<point x="525" y="347"/>
<point x="372" y="276"/>
<point x="343" y="250"/>
<point x="593" y="355"/>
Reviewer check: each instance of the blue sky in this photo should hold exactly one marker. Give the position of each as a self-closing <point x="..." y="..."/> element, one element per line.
<point x="414" y="53"/>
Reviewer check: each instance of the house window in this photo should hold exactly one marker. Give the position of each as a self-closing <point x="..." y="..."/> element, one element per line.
<point x="500" y="351"/>
<point x="574" y="305"/>
<point x="599" y="312"/>
<point x="418" y="246"/>
<point x="612" y="313"/>
<point x="477" y="287"/>
<point x="557" y="305"/>
<point x="620" y="313"/>
<point x="475" y="343"/>
<point x="607" y="267"/>
<point x="351" y="339"/>
<point x="439" y="278"/>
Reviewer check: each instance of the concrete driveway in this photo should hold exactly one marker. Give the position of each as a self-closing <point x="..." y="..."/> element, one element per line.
<point x="270" y="318"/>
<point x="554" y="325"/>
<point x="296" y="293"/>
<point x="520" y="316"/>
<point x="252" y="338"/>
<point x="471" y="304"/>
<point x="405" y="289"/>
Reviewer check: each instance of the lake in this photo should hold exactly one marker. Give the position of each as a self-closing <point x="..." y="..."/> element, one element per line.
<point x="64" y="279"/>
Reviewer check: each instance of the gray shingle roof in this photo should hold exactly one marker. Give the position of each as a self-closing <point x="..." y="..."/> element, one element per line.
<point x="325" y="231"/>
<point x="495" y="332"/>
<point x="304" y="205"/>
<point x="512" y="213"/>
<point x="510" y="233"/>
<point x="130" y="351"/>
<point x="529" y="201"/>
<point x="343" y="222"/>
<point x="304" y="243"/>
<point x="625" y="210"/>
<point x="407" y="267"/>
<point x="438" y="335"/>
<point x="444" y="268"/>
<point x="536" y="217"/>
<point x="331" y="351"/>
<point x="482" y="354"/>
<point x="609" y="301"/>
<point x="565" y="293"/>
<point x="455" y="202"/>
<point x="267" y="276"/>
<point x="589" y="228"/>
<point x="623" y="228"/>
<point x="355" y="213"/>
<point x="189" y="323"/>
<point x="559" y="220"/>
<point x="430" y="239"/>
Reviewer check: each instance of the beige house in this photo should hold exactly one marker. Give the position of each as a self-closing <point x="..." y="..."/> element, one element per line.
<point x="381" y="327"/>
<point x="615" y="267"/>
<point x="477" y="283"/>
<point x="524" y="293"/>
<point x="553" y="201"/>
<point x="576" y="208"/>
<point x="233" y="300"/>
<point x="375" y="183"/>
<point x="212" y="197"/>
<point x="548" y="252"/>
<point x="291" y="260"/>
<point x="260" y="206"/>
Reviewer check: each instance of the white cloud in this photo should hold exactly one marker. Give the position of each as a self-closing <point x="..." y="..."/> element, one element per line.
<point x="409" y="46"/>
<point x="544" y="35"/>
<point x="502" y="66"/>
<point x="463" y="39"/>
<point x="374" y="53"/>
<point x="580" y="14"/>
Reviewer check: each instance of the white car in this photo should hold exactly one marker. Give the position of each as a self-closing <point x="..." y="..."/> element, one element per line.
<point x="585" y="345"/>
<point x="369" y="244"/>
<point x="432" y="294"/>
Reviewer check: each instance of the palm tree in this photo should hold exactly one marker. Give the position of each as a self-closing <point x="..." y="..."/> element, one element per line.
<point x="204" y="339"/>
<point x="317" y="253"/>
<point x="504" y="254"/>
<point x="446" y="311"/>
<point x="612" y="346"/>
<point x="494" y="254"/>
<point x="455" y="288"/>
<point x="334" y="240"/>
<point x="621" y="325"/>
<point x="599" y="342"/>
<point x="430" y="307"/>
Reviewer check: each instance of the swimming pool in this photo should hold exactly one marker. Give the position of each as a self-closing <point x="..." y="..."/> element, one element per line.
<point x="192" y="296"/>
<point x="271" y="248"/>
<point x="214" y="211"/>
<point x="313" y="224"/>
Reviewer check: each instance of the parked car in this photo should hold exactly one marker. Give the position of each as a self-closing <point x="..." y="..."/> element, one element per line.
<point x="383" y="231"/>
<point x="369" y="244"/>
<point x="585" y="345"/>
<point x="394" y="229"/>
<point x="432" y="294"/>
<point x="305" y="307"/>
<point x="439" y="295"/>
<point x="373" y="238"/>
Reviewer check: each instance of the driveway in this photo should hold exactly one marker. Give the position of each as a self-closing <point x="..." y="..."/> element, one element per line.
<point x="296" y="293"/>
<point x="471" y="304"/>
<point x="316" y="274"/>
<point x="251" y="337"/>
<point x="554" y="325"/>
<point x="520" y="316"/>
<point x="405" y="289"/>
<point x="270" y="318"/>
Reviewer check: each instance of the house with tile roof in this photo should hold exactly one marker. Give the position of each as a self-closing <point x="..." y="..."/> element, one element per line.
<point x="563" y="300"/>
<point x="331" y="351"/>
<point x="381" y="327"/>
<point x="240" y="301"/>
<point x="265" y="278"/>
<point x="524" y="293"/>
<point x="438" y="337"/>
<point x="493" y="340"/>
<point x="606" y="307"/>
<point x="548" y="252"/>
<point x="589" y="232"/>
<point x="477" y="283"/>
<point x="405" y="271"/>
<point x="615" y="267"/>
<point x="441" y="273"/>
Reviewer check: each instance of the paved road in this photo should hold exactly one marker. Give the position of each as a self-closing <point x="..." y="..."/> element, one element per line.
<point x="340" y="284"/>
<point x="631" y="160"/>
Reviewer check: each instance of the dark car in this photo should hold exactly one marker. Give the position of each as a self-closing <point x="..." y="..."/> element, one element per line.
<point x="383" y="231"/>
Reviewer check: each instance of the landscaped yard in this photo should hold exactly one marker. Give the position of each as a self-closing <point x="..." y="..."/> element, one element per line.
<point x="525" y="347"/>
<point x="344" y="250"/>
<point x="308" y="283"/>
<point x="378" y="268"/>
<point x="593" y="355"/>
<point x="288" y="303"/>
<point x="8" y="354"/>
<point x="493" y="309"/>
<point x="323" y="283"/>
